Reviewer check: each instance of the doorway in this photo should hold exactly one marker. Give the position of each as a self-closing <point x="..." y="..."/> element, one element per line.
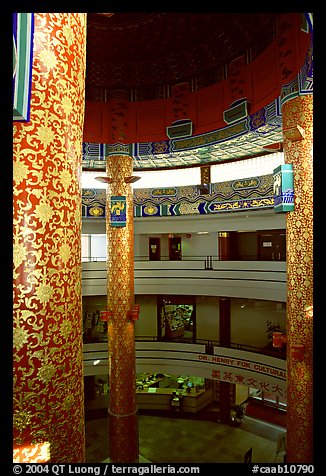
<point x="237" y="245"/>
<point x="272" y="245"/>
<point x="176" y="318"/>
<point x="262" y="245"/>
<point x="154" y="249"/>
<point x="175" y="248"/>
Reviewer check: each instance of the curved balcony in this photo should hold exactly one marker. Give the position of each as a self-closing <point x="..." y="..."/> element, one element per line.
<point x="244" y="367"/>
<point x="204" y="276"/>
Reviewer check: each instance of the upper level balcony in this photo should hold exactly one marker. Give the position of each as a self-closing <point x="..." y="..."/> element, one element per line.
<point x="201" y="275"/>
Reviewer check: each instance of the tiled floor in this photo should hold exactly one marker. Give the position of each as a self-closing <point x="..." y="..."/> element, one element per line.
<point x="176" y="440"/>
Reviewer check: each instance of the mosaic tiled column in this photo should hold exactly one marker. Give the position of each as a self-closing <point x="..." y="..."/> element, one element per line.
<point x="48" y="390"/>
<point x="123" y="418"/>
<point x="297" y="117"/>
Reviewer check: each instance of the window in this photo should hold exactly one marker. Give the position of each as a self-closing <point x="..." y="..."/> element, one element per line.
<point x="94" y="248"/>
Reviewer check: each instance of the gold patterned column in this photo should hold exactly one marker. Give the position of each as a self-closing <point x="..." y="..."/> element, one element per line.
<point x="123" y="418"/>
<point x="48" y="393"/>
<point x="297" y="115"/>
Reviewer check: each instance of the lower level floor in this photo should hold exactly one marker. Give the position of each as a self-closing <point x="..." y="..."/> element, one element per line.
<point x="165" y="439"/>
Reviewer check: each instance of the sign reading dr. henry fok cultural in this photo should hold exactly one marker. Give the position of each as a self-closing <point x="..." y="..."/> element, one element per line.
<point x="118" y="211"/>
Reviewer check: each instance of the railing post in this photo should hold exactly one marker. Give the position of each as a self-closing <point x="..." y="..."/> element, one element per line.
<point x="209" y="262"/>
<point x="209" y="348"/>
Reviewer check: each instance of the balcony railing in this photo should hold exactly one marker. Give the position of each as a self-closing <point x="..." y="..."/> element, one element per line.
<point x="209" y="345"/>
<point x="198" y="276"/>
<point x="207" y="259"/>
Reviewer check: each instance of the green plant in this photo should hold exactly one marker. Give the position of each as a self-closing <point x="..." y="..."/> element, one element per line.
<point x="272" y="327"/>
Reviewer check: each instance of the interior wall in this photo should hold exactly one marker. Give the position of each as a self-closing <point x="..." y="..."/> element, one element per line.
<point x="199" y="245"/>
<point x="248" y="324"/>
<point x="94" y="303"/>
<point x="248" y="317"/>
<point x="147" y="323"/>
<point x="207" y="317"/>
<point x="137" y="245"/>
<point x="249" y="320"/>
<point x="93" y="226"/>
<point x="191" y="246"/>
<point x="232" y="221"/>
<point x="247" y="245"/>
<point x="143" y="244"/>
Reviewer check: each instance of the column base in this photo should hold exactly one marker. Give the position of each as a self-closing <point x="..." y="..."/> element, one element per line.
<point x="123" y="438"/>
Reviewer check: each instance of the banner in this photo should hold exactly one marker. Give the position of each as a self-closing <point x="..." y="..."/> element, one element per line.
<point x="283" y="189"/>
<point x="118" y="211"/>
<point x="23" y="30"/>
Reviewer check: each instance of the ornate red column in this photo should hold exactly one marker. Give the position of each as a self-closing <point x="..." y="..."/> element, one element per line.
<point x="225" y="339"/>
<point x="48" y="389"/>
<point x="123" y="418"/>
<point x="297" y="115"/>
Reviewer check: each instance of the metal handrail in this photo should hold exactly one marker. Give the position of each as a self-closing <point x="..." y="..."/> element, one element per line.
<point x="209" y="345"/>
<point x="138" y="258"/>
<point x="208" y="258"/>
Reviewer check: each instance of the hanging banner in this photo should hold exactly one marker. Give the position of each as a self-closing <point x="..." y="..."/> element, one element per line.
<point x="23" y="30"/>
<point x="283" y="189"/>
<point x="118" y="211"/>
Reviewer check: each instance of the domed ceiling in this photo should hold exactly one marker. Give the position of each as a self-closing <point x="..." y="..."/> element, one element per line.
<point x="135" y="50"/>
<point x="141" y="54"/>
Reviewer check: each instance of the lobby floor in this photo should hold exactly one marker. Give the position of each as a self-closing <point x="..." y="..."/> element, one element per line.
<point x="163" y="439"/>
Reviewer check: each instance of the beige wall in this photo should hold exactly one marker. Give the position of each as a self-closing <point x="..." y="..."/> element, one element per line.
<point x="207" y="317"/>
<point x="248" y="317"/>
<point x="249" y="320"/>
<point x="248" y="323"/>
<point x="147" y="323"/>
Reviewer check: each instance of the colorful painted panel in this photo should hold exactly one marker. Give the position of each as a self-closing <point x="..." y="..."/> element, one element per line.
<point x="241" y="184"/>
<point x="151" y="210"/>
<point x="283" y="189"/>
<point x="23" y="30"/>
<point x="236" y="195"/>
<point x="248" y="137"/>
<point x="94" y="155"/>
<point x="236" y="112"/>
<point x="164" y="192"/>
<point x="237" y="205"/>
<point x="303" y="83"/>
<point x="93" y="203"/>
